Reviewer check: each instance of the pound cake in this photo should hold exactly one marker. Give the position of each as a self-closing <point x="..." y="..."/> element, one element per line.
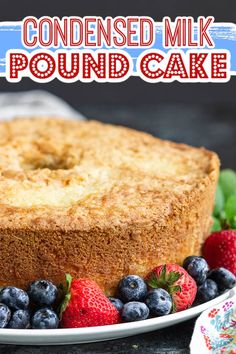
<point x="98" y="201"/>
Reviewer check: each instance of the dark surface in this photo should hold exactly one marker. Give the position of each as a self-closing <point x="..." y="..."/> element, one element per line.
<point x="174" y="340"/>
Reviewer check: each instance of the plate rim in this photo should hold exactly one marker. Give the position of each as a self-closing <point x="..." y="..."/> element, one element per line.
<point x="112" y="329"/>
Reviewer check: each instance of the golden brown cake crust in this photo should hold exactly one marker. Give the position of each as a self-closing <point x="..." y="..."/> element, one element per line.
<point x="98" y="200"/>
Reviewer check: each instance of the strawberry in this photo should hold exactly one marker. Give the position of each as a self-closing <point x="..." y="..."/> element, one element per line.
<point x="179" y="284"/>
<point x="219" y="250"/>
<point x="85" y="305"/>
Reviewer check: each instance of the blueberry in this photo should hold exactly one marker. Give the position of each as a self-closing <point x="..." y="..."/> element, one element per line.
<point x="42" y="292"/>
<point x="134" y="311"/>
<point x="117" y="303"/>
<point x="187" y="261"/>
<point x="20" y="319"/>
<point x="159" y="302"/>
<point x="207" y="291"/>
<point x="197" y="267"/>
<point x="132" y="288"/>
<point x="45" y="318"/>
<point x="5" y="315"/>
<point x="15" y="298"/>
<point x="223" y="278"/>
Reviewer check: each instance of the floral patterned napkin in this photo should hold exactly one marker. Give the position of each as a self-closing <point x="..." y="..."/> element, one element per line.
<point x="215" y="329"/>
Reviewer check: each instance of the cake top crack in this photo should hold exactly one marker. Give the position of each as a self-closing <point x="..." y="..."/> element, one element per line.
<point x="87" y="168"/>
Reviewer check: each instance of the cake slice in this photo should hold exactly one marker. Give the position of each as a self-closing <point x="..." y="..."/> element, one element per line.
<point x="98" y="201"/>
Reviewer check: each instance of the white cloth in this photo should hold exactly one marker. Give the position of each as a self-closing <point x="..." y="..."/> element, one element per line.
<point x="215" y="329"/>
<point x="34" y="103"/>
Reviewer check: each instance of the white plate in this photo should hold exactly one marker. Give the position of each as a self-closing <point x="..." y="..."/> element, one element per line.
<point x="96" y="334"/>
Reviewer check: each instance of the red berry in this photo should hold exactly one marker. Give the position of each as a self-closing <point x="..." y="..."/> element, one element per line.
<point x="88" y="306"/>
<point x="179" y="284"/>
<point x="219" y="250"/>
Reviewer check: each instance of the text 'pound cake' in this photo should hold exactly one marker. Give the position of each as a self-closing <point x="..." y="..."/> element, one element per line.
<point x="98" y="201"/>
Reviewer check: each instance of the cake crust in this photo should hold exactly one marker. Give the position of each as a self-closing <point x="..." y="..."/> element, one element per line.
<point x="98" y="201"/>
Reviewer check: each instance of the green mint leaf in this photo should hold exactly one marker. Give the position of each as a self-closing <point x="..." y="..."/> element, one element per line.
<point x="230" y="208"/>
<point x="216" y="225"/>
<point x="233" y="223"/>
<point x="219" y="201"/>
<point x="227" y="182"/>
<point x="224" y="221"/>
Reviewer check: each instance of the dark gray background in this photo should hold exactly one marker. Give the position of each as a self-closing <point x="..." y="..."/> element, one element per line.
<point x="198" y="114"/>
